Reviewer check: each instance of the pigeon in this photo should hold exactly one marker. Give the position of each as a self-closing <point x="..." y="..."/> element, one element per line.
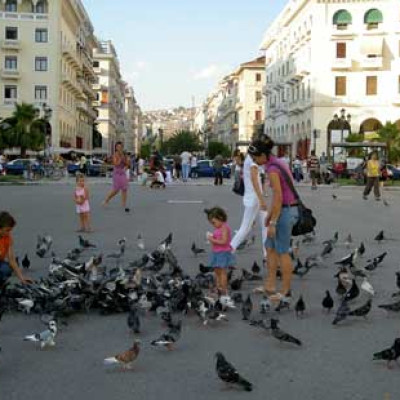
<point x="380" y="236"/>
<point x="328" y="248"/>
<point x="169" y="338"/>
<point x="195" y="250"/>
<point x="353" y="292"/>
<point x="25" y="305"/>
<point x="334" y="196"/>
<point x="261" y="323"/>
<point x="342" y="313"/>
<point x="347" y="260"/>
<point x="45" y="338"/>
<point x="372" y="266"/>
<point x="361" y="249"/>
<point x="205" y="270"/>
<point x="394" y="307"/>
<point x="300" y="306"/>
<point x="126" y="358"/>
<point x="236" y="284"/>
<point x="26" y="263"/>
<point x="357" y="272"/>
<point x="281" y="335"/>
<point x="378" y="259"/>
<point x="349" y="241"/>
<point x="133" y="319"/>
<point x="398" y="280"/>
<point x="140" y="242"/>
<point x="386" y="203"/>
<point x="228" y="373"/>
<point x="362" y="311"/>
<point x="327" y="302"/>
<point x="255" y="269"/>
<point x="367" y="287"/>
<point x="247" y="308"/>
<point x="390" y="354"/>
<point x="86" y="244"/>
<point x="165" y="244"/>
<point x="309" y="238"/>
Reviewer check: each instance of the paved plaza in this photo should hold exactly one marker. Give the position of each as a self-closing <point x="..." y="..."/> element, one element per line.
<point x="333" y="363"/>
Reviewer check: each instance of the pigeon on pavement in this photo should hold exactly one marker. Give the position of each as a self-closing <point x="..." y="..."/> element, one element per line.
<point x="169" y="338"/>
<point x="327" y="302"/>
<point x="126" y="358"/>
<point x="140" y="242"/>
<point x="228" y="373"/>
<point x="300" y="306"/>
<point x="195" y="250"/>
<point x="86" y="244"/>
<point x="247" y="308"/>
<point x="390" y="354"/>
<point x="45" y="338"/>
<point x="363" y="310"/>
<point x="133" y="319"/>
<point x="26" y="263"/>
<point x="282" y="336"/>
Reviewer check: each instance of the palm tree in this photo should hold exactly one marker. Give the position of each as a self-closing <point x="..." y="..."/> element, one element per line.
<point x="389" y="134"/>
<point x="24" y="129"/>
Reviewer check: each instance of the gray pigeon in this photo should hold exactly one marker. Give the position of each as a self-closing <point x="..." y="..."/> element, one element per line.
<point x="45" y="338"/>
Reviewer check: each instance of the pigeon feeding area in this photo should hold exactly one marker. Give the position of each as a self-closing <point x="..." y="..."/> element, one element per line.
<point x="120" y="321"/>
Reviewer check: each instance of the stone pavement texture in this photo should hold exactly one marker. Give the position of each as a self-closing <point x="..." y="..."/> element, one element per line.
<point x="334" y="362"/>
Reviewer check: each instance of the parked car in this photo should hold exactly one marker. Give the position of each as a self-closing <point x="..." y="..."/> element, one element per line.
<point x="95" y="167"/>
<point x="19" y="165"/>
<point x="394" y="173"/>
<point x="205" y="169"/>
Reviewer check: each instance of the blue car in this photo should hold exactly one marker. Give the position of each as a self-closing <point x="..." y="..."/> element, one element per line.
<point x="394" y="173"/>
<point x="205" y="169"/>
<point x="94" y="168"/>
<point x="19" y="165"/>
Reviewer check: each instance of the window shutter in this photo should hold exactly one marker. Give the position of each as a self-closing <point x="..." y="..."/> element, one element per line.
<point x="340" y="89"/>
<point x="341" y="50"/>
<point x="372" y="85"/>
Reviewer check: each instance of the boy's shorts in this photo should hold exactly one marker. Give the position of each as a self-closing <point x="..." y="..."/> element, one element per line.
<point x="5" y="270"/>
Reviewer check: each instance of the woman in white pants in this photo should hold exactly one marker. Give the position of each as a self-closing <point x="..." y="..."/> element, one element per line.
<point x="253" y="201"/>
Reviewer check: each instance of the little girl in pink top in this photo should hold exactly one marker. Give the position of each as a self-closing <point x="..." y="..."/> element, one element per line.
<point x="221" y="257"/>
<point x="82" y="203"/>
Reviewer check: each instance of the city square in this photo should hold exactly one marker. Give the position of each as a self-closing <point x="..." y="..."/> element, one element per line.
<point x="334" y="361"/>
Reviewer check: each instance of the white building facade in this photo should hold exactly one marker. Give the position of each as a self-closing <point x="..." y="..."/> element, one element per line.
<point x="328" y="59"/>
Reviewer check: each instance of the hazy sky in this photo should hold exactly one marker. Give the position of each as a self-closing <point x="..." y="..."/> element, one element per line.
<point x="171" y="50"/>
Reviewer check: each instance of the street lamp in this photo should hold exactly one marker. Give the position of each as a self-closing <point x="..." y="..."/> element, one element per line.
<point x="338" y="123"/>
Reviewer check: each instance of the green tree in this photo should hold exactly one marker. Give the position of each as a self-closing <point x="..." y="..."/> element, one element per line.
<point x="145" y="150"/>
<point x="97" y="138"/>
<point x="181" y="141"/>
<point x="355" y="138"/>
<point x="389" y="134"/>
<point x="215" y="148"/>
<point x="24" y="129"/>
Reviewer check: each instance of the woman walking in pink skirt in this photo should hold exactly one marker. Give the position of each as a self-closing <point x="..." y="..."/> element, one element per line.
<point x="121" y="164"/>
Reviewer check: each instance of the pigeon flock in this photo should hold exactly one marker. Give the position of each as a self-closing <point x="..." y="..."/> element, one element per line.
<point x="156" y="284"/>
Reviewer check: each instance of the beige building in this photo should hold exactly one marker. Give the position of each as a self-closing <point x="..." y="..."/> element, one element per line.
<point x="132" y="124"/>
<point x="235" y="111"/>
<point x="46" y="59"/>
<point x="331" y="66"/>
<point x="110" y="98"/>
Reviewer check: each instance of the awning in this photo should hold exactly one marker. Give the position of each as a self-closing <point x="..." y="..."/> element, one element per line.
<point x="372" y="46"/>
<point x="373" y="16"/>
<point x="342" y="17"/>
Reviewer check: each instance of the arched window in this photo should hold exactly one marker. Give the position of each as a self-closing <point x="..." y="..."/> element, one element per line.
<point x="373" y="18"/>
<point x="41" y="7"/>
<point x="342" y="19"/>
<point x="11" y="6"/>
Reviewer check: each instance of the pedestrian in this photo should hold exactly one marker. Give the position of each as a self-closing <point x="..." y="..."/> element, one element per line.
<point x="218" y="165"/>
<point x="177" y="167"/>
<point x="221" y="257"/>
<point x="185" y="159"/>
<point x="82" y="164"/>
<point x="323" y="167"/>
<point x="140" y="166"/>
<point x="81" y="197"/>
<point x="253" y="200"/>
<point x="285" y="158"/>
<point x="158" y="180"/>
<point x="8" y="263"/>
<point x="121" y="163"/>
<point x="193" y="166"/>
<point x="373" y="168"/>
<point x="313" y="166"/>
<point x="282" y="216"/>
<point x="297" y="169"/>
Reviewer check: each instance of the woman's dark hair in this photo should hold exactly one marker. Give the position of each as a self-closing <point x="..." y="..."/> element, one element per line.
<point x="261" y="146"/>
<point x="6" y="220"/>
<point x="117" y="144"/>
<point x="217" y="213"/>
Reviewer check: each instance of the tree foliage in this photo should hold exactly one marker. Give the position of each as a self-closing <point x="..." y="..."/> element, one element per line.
<point x="97" y="138"/>
<point x="215" y="148"/>
<point x="23" y="129"/>
<point x="389" y="134"/>
<point x="145" y="150"/>
<point x="181" y="141"/>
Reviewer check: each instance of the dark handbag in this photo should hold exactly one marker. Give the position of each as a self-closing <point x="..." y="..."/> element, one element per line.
<point x="238" y="186"/>
<point x="306" y="222"/>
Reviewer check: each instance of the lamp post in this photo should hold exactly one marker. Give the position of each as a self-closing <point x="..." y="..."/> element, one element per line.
<point x="338" y="123"/>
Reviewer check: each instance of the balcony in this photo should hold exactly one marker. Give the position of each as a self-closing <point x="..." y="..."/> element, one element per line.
<point x="24" y="16"/>
<point x="96" y="103"/>
<point x="371" y="62"/>
<point x="10" y="74"/>
<point x="83" y="106"/>
<point x="87" y="88"/>
<point x="97" y="70"/>
<point x="10" y="102"/>
<point x="11" y="45"/>
<point x="340" y="31"/>
<point x="342" y="63"/>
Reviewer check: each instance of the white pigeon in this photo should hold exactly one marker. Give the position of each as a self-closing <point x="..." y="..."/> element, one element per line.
<point x="45" y="338"/>
<point x="367" y="287"/>
<point x="140" y="242"/>
<point x="26" y="305"/>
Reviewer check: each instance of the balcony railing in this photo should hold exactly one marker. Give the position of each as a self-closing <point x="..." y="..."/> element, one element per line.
<point x="24" y="16"/>
<point x="10" y="74"/>
<point x="10" y="102"/>
<point x="342" y="63"/>
<point x="371" y="62"/>
<point x="11" y="44"/>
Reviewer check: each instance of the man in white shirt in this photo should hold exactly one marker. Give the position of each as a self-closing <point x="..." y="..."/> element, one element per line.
<point x="185" y="157"/>
<point x="193" y="166"/>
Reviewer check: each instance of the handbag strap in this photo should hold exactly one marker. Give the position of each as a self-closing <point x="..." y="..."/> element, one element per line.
<point x="289" y="182"/>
